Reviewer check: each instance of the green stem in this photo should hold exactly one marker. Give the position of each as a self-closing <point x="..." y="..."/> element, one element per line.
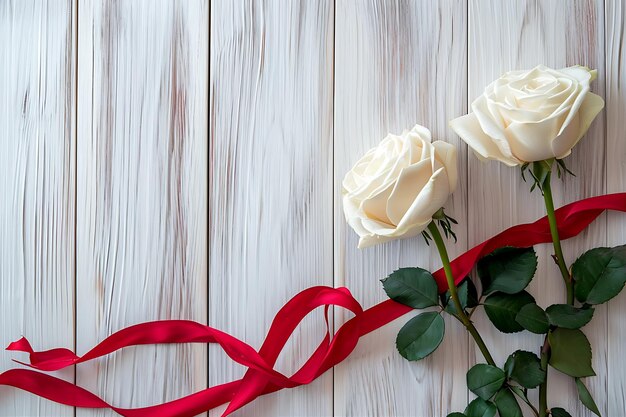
<point x="558" y="251"/>
<point x="560" y="261"/>
<point x="443" y="253"/>
<point x="543" y="388"/>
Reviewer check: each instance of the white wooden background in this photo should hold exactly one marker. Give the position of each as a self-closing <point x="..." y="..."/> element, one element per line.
<point x="183" y="159"/>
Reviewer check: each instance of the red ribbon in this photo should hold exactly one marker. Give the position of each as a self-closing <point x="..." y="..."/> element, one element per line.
<point x="261" y="377"/>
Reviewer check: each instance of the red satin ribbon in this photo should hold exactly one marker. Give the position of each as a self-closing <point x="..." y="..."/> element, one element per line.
<point x="261" y="377"/>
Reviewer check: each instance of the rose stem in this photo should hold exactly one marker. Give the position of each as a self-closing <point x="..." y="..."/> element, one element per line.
<point x="558" y="252"/>
<point x="543" y="388"/>
<point x="443" y="253"/>
<point x="560" y="260"/>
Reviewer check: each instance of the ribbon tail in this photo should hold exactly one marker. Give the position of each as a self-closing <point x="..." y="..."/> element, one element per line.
<point x="261" y="377"/>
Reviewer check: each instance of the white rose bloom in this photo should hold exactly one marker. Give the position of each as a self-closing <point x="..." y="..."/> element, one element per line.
<point x="394" y="190"/>
<point x="527" y="116"/>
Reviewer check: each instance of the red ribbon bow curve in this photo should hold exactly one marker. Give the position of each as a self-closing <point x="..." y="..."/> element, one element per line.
<point x="261" y="377"/>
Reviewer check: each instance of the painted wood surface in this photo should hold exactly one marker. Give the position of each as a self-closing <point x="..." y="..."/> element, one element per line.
<point x="37" y="185"/>
<point x="615" y="182"/>
<point x="180" y="159"/>
<point x="511" y="35"/>
<point x="142" y="179"/>
<point x="271" y="199"/>
<point x="388" y="77"/>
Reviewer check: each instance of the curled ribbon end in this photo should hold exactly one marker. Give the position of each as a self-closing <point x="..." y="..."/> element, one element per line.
<point x="261" y="377"/>
<point x="22" y="363"/>
<point x="21" y="345"/>
<point x="50" y="360"/>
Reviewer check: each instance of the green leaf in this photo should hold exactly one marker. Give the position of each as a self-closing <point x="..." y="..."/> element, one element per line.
<point x="559" y="412"/>
<point x="456" y="415"/>
<point x="540" y="171"/>
<point x="585" y="397"/>
<point x="420" y="336"/>
<point x="508" y="270"/>
<point x="507" y="404"/>
<point x="570" y="352"/>
<point x="525" y="368"/>
<point x="503" y="308"/>
<point x="480" y="408"/>
<point x="600" y="274"/>
<point x="414" y="287"/>
<point x="532" y="318"/>
<point x="485" y="380"/>
<point x="468" y="296"/>
<point x="568" y="317"/>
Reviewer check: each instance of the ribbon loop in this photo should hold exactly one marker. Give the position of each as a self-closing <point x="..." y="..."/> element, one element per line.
<point x="261" y="377"/>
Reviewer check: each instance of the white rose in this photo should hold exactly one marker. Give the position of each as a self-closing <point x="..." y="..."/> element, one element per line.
<point x="394" y="190"/>
<point x="527" y="116"/>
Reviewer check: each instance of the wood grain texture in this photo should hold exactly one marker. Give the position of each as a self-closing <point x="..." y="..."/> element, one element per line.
<point x="159" y="206"/>
<point x="397" y="64"/>
<point x="616" y="182"/>
<point x="37" y="183"/>
<point x="142" y="191"/>
<point x="508" y="35"/>
<point x="271" y="181"/>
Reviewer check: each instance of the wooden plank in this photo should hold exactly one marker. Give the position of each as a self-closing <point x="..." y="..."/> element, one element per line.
<point x="142" y="191"/>
<point x="397" y="64"/>
<point x="519" y="35"/>
<point x="37" y="183"/>
<point x="615" y="18"/>
<point x="271" y="181"/>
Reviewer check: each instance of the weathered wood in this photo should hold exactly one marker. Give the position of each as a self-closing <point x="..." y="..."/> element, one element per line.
<point x="162" y="205"/>
<point x="397" y="64"/>
<point x="615" y="18"/>
<point x="517" y="35"/>
<point x="142" y="191"/>
<point x="37" y="183"/>
<point x="271" y="207"/>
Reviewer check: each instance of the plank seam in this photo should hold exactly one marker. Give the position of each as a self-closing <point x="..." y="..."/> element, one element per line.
<point x="607" y="314"/>
<point x="469" y="343"/>
<point x="208" y="206"/>
<point x="333" y="199"/>
<point x="75" y="139"/>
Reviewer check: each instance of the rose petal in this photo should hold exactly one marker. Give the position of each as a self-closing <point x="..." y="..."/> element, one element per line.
<point x="468" y="128"/>
<point x="562" y="145"/>
<point x="493" y="122"/>
<point x="564" y="99"/>
<point x="446" y="153"/>
<point x="533" y="141"/>
<point x="589" y="109"/>
<point x="353" y="217"/>
<point x="363" y="182"/>
<point x="410" y="182"/>
<point x="421" y="133"/>
<point x="379" y="228"/>
<point x="512" y="114"/>
<point x="370" y="240"/>
<point x="591" y="106"/>
<point x="492" y="125"/>
<point x="575" y="107"/>
<point x="580" y="73"/>
<point x="375" y="206"/>
<point x="430" y="199"/>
